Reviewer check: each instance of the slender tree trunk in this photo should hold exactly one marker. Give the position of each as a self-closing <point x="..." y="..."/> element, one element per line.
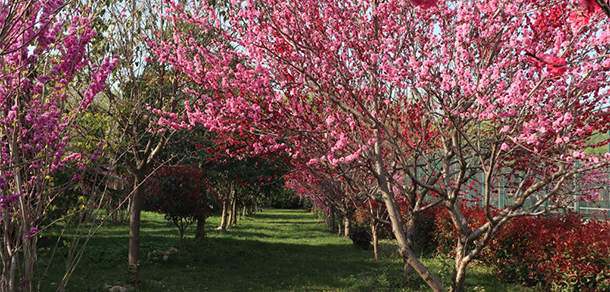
<point x="340" y="226"/>
<point x="223" y="218"/>
<point x="181" y="239"/>
<point x="29" y="256"/>
<point x="244" y="211"/>
<point x="405" y="250"/>
<point x="459" y="275"/>
<point x="330" y="219"/>
<point x="200" y="231"/>
<point x="397" y="223"/>
<point x="134" y="226"/>
<point x="375" y="239"/>
<point x="347" y="225"/>
<point x="410" y="233"/>
<point x="28" y="246"/>
<point x="14" y="263"/>
<point x="233" y="215"/>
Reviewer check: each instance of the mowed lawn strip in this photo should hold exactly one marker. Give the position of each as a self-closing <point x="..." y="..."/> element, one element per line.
<point x="274" y="250"/>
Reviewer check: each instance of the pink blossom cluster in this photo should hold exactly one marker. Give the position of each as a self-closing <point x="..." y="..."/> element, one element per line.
<point x="331" y="80"/>
<point x="42" y="52"/>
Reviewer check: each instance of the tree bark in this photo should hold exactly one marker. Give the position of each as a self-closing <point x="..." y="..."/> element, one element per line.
<point x="134" y="226"/>
<point x="397" y="223"/>
<point x="330" y="219"/>
<point x="375" y="239"/>
<point x="347" y="225"/>
<point x="181" y="238"/>
<point x="223" y="218"/>
<point x="233" y="215"/>
<point x="340" y="226"/>
<point x="200" y="231"/>
<point x="459" y="275"/>
<point x="410" y="233"/>
<point x="11" y="281"/>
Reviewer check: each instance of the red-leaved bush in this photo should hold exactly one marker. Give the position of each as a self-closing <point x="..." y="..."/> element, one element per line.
<point x="560" y="252"/>
<point x="182" y="193"/>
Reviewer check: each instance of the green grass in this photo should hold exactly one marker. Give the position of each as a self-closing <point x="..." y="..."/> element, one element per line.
<point x="275" y="250"/>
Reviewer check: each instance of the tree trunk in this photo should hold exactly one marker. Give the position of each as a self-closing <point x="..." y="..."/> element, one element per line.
<point x="29" y="259"/>
<point x="397" y="223"/>
<point x="459" y="275"/>
<point x="347" y="225"/>
<point x="134" y="226"/>
<point x="330" y="219"/>
<point x="28" y="246"/>
<point x="410" y="232"/>
<point x="233" y="215"/>
<point x="223" y="218"/>
<point x="244" y="211"/>
<point x="181" y="239"/>
<point x="200" y="231"/>
<point x="11" y="280"/>
<point x="340" y="226"/>
<point x="458" y="279"/>
<point x="375" y="239"/>
<point x="405" y="250"/>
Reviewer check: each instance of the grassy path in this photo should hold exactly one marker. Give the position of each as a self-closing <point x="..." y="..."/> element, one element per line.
<point x="275" y="250"/>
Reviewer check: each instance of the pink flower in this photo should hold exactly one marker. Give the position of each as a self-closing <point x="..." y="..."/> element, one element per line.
<point x="312" y="161"/>
<point x="504" y="147"/>
<point x="532" y="139"/>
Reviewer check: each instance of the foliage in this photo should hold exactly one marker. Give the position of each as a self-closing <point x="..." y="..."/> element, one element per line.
<point x="283" y="199"/>
<point x="361" y="236"/>
<point x="182" y="193"/>
<point x="560" y="252"/>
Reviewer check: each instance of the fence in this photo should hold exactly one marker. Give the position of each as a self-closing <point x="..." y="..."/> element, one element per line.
<point x="500" y="198"/>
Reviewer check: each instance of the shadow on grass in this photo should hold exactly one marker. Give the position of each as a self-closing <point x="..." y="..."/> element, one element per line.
<point x="274" y="251"/>
<point x="278" y="250"/>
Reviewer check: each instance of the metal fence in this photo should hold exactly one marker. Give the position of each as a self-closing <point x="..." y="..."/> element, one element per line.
<point x="501" y="198"/>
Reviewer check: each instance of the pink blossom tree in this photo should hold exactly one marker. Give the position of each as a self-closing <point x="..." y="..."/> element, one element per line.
<point x="41" y="50"/>
<point x="435" y="97"/>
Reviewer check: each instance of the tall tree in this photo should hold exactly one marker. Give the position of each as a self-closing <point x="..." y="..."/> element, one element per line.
<point x="42" y="49"/>
<point x="138" y="87"/>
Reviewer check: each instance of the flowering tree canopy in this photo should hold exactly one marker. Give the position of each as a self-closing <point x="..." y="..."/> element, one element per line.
<point x="430" y="97"/>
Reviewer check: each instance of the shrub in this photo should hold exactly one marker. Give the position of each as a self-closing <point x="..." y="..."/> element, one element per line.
<point x="181" y="193"/>
<point x="361" y="237"/>
<point x="284" y="199"/>
<point x="561" y="252"/>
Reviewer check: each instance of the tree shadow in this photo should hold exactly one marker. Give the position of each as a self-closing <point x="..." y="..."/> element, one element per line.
<point x="273" y="251"/>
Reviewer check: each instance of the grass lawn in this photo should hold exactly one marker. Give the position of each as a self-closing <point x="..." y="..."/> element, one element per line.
<point x="274" y="250"/>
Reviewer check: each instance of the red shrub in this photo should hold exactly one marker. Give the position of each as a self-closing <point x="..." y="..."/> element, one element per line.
<point x="563" y="252"/>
